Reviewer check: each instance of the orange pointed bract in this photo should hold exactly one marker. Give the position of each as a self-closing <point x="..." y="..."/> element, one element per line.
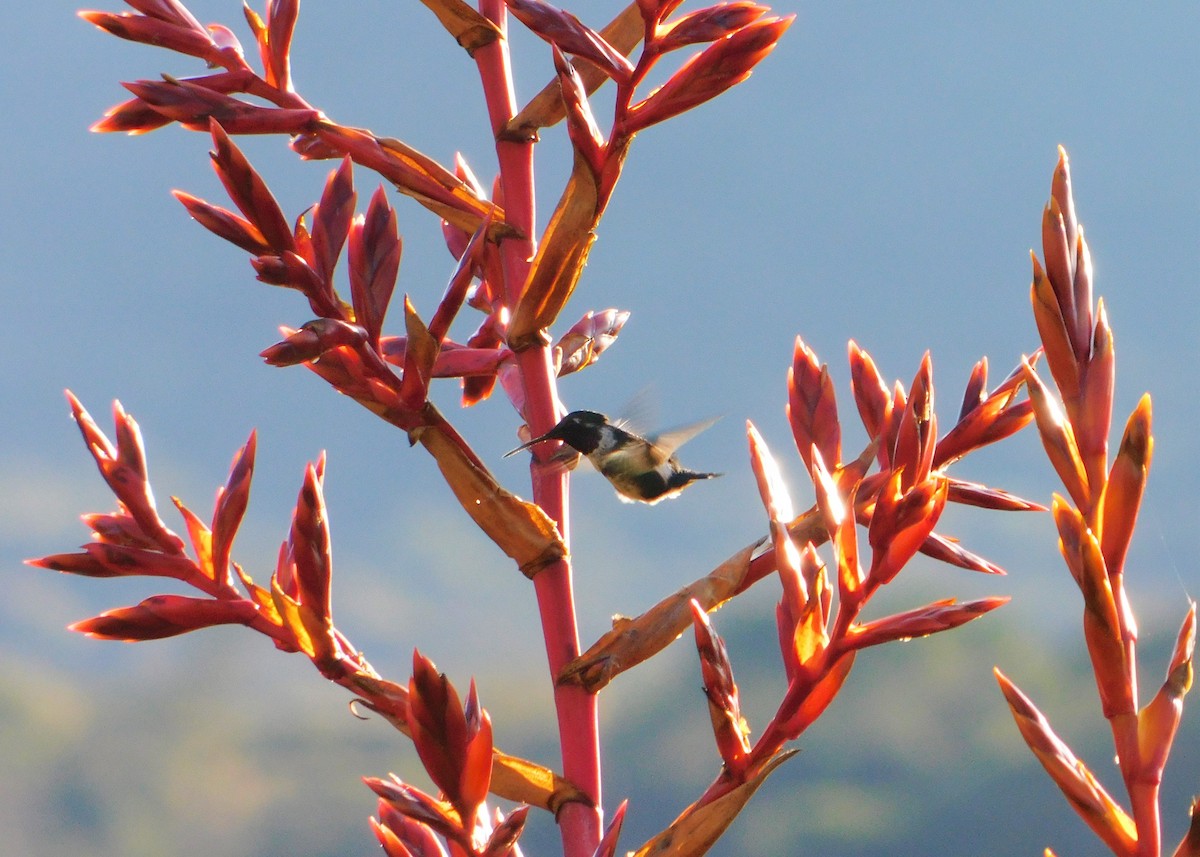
<point x="693" y="833"/>
<point x="1085" y="794"/>
<point x="922" y="621"/>
<point x="812" y="407"/>
<point x="1125" y="486"/>
<point x="724" y="705"/>
<point x="871" y="396"/>
<point x="231" y="504"/>
<point x="165" y="616"/>
<point x="454" y="744"/>
<point x="1101" y="621"/>
<point x="1058" y="439"/>
<point x="1159" y="720"/>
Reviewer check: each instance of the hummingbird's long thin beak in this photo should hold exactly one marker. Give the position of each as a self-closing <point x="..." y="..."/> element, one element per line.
<point x="527" y="444"/>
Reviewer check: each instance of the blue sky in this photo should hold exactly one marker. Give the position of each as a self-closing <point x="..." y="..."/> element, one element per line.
<point x="880" y="178"/>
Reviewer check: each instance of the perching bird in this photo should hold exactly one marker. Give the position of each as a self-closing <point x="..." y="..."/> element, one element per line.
<point x="641" y="469"/>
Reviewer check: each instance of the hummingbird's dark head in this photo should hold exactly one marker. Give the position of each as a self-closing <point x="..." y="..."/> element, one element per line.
<point x="580" y="430"/>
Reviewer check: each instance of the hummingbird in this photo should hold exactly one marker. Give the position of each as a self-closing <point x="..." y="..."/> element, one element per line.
<point x="641" y="469"/>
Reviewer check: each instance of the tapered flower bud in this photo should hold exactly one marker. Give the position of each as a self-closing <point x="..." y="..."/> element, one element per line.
<point x="455" y="746"/>
<point x="1125" y="486"/>
<point x="922" y="621"/>
<point x="224" y="224"/>
<point x="118" y="529"/>
<point x="248" y="190"/>
<point x="411" y="171"/>
<point x="1081" y="789"/>
<point x="312" y="340"/>
<point x="470" y="265"/>
<point x="1093" y="422"/>
<point x="131" y="561"/>
<point x="975" y="393"/>
<point x="230" y="508"/>
<point x="724" y="706"/>
<point x="86" y="564"/>
<point x="974" y="494"/>
<point x="1103" y="628"/>
<point x="165" y="616"/>
<point x="571" y="36"/>
<point x="586" y="136"/>
<point x="948" y="551"/>
<point x="837" y="513"/>
<point x="300" y="587"/>
<point x="131" y="117"/>
<point x="901" y="523"/>
<point x="771" y="489"/>
<point x="985" y="417"/>
<point x="402" y="836"/>
<point x="124" y="469"/>
<point x="504" y="836"/>
<point x="331" y="219"/>
<point x="476" y="776"/>
<point x="275" y="42"/>
<point x="166" y="10"/>
<point x="392" y="845"/>
<point x="414" y="804"/>
<point x="916" y="434"/>
<point x="812" y="407"/>
<point x="309" y="545"/>
<point x="195" y="106"/>
<point x="708" y="24"/>
<point x="174" y="34"/>
<point x="1159" y="720"/>
<point x="1055" y="335"/>
<point x="871" y="396"/>
<point x="453" y="360"/>
<point x="375" y="249"/>
<point x="720" y="66"/>
<point x="420" y="355"/>
<point x="588" y="338"/>
<point x="802" y="613"/>
<point x="608" y="843"/>
<point x="1058" y="438"/>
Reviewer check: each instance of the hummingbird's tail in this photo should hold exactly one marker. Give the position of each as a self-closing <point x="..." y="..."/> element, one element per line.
<point x="681" y="478"/>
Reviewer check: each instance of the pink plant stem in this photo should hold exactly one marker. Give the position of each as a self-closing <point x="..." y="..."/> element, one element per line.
<point x="1142" y="785"/>
<point x="578" y="720"/>
<point x="1146" y="818"/>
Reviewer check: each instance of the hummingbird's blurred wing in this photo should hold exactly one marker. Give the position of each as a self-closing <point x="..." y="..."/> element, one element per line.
<point x="665" y="443"/>
<point x="640" y="414"/>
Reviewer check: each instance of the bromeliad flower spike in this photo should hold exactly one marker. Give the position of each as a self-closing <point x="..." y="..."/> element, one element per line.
<point x="1095" y="526"/>
<point x="515" y="279"/>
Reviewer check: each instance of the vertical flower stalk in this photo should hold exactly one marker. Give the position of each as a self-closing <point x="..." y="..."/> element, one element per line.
<point x="577" y="711"/>
<point x="1095" y="527"/>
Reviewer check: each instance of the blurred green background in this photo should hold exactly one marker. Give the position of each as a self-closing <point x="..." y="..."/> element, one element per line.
<point x="880" y="177"/>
